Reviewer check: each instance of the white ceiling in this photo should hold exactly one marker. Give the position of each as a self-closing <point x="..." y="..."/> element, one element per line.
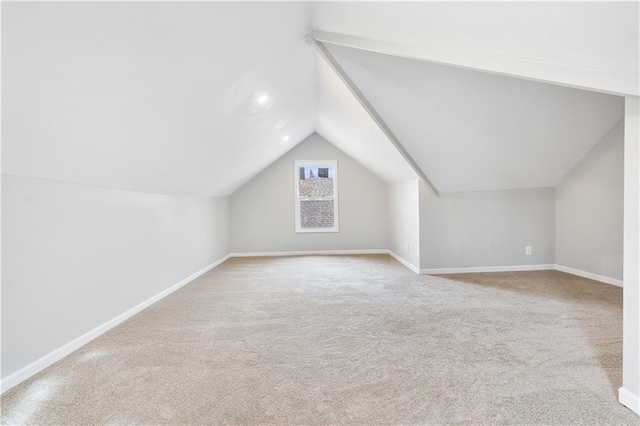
<point x="470" y="130"/>
<point x="342" y="121"/>
<point x="598" y="34"/>
<point x="154" y="97"/>
<point x="165" y="97"/>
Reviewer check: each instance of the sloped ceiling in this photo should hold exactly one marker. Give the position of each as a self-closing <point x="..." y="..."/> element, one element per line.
<point x="598" y="34"/>
<point x="470" y="130"/>
<point x="196" y="98"/>
<point x="175" y="98"/>
<point x="342" y="121"/>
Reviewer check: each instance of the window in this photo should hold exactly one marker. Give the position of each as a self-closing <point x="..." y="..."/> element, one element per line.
<point x="316" y="196"/>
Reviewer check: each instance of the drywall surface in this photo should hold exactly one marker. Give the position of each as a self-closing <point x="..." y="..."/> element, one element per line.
<point x="586" y="34"/>
<point x="514" y="133"/>
<point x="404" y="221"/>
<point x="589" y="209"/>
<point x="630" y="391"/>
<point x="263" y="210"/>
<point x="75" y="256"/>
<point x="345" y="123"/>
<point x="487" y="228"/>
<point x="161" y="97"/>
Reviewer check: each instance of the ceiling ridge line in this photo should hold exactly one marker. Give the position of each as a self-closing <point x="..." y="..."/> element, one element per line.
<point x="355" y="91"/>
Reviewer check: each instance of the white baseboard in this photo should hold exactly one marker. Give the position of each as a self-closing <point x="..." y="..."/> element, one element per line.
<point x="327" y="252"/>
<point x="56" y="355"/>
<point x="519" y="268"/>
<point x="591" y="276"/>
<point x="308" y="253"/>
<point x="404" y="262"/>
<point x="626" y="397"/>
<point x="475" y="269"/>
<point x="629" y="400"/>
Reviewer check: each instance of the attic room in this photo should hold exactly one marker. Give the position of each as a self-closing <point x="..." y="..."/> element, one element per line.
<point x="320" y="213"/>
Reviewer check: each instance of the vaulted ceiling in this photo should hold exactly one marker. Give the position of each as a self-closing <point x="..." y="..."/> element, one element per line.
<point x="343" y="121"/>
<point x="470" y="130"/>
<point x="197" y="98"/>
<point x="176" y="98"/>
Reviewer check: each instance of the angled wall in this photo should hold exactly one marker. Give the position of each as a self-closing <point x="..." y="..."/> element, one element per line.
<point x="589" y="210"/>
<point x="486" y="229"/>
<point x="404" y="222"/>
<point x="262" y="211"/>
<point x="77" y="256"/>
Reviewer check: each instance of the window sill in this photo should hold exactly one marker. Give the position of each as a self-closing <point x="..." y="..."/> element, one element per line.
<point x="317" y="231"/>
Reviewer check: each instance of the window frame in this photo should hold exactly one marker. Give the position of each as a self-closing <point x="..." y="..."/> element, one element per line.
<point x="298" y="200"/>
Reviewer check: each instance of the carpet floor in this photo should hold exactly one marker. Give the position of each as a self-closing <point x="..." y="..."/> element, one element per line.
<point x="346" y="340"/>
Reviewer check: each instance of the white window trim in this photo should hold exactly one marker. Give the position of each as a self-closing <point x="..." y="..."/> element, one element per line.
<point x="321" y="163"/>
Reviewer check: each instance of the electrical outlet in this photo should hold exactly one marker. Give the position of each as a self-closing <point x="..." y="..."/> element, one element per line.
<point x="407" y="248"/>
<point x="527" y="250"/>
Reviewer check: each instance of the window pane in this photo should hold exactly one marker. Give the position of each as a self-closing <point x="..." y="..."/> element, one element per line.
<point x="316" y="181"/>
<point x="316" y="214"/>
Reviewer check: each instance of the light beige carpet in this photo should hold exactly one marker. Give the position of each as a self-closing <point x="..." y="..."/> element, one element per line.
<point x="346" y="340"/>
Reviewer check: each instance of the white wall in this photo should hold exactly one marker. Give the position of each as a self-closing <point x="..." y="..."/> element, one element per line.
<point x="630" y="392"/>
<point x="404" y="221"/>
<point x="262" y="211"/>
<point x="75" y="256"/>
<point x="487" y="228"/>
<point x="589" y="209"/>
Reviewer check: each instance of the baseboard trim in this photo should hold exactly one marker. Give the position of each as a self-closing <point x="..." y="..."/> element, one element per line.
<point x="308" y="253"/>
<point x="523" y="268"/>
<point x="404" y="262"/>
<point x="629" y="400"/>
<point x="57" y="354"/>
<point x="589" y="275"/>
<point x="476" y="269"/>
<point x="327" y="253"/>
<point x="625" y="397"/>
